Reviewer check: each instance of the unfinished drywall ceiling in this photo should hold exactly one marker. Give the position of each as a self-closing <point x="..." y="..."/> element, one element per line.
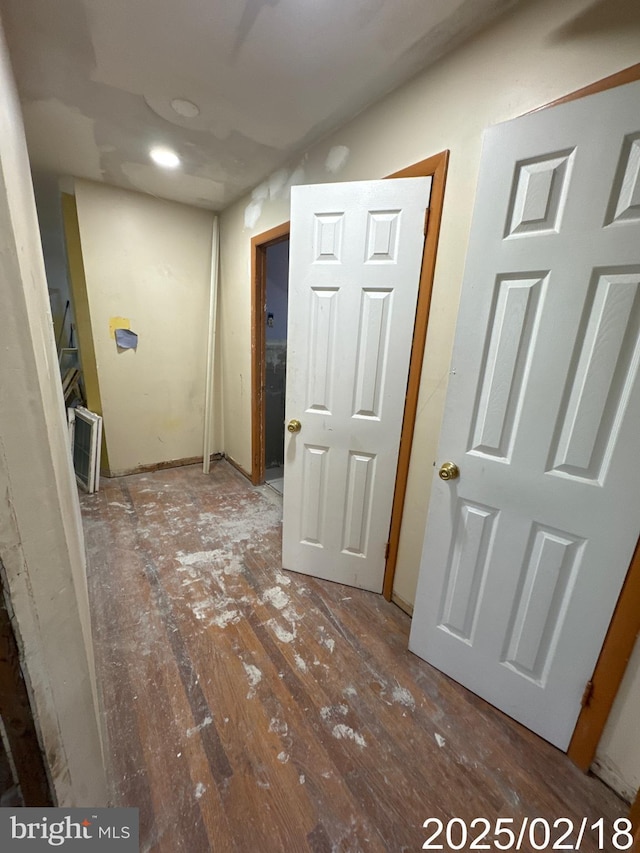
<point x="98" y="78"/>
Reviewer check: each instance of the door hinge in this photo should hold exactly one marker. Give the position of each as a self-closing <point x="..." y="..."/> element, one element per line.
<point x="426" y="221"/>
<point x="387" y="548"/>
<point x="587" y="696"/>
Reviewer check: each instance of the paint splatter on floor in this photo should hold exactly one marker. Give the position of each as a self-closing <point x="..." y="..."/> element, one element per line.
<point x="278" y="726"/>
<point x="227" y="617"/>
<point x="201" y="646"/>
<point x="330" y="711"/>
<point x="281" y="633"/>
<point x="193" y="731"/>
<point x="277" y="597"/>
<point x="403" y="697"/>
<point x="341" y="732"/>
<point x="254" y="677"/>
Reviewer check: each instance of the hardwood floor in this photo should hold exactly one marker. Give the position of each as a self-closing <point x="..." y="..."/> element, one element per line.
<point x="249" y="709"/>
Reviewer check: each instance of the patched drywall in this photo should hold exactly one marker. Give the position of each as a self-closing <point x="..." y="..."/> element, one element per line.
<point x="148" y="260"/>
<point x="337" y="159"/>
<point x="41" y="540"/>
<point x="267" y="77"/>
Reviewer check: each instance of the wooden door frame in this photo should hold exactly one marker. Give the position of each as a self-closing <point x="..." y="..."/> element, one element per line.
<point x="609" y="671"/>
<point x="436" y="168"/>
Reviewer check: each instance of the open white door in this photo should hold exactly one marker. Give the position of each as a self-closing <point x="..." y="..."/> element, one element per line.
<point x="525" y="554"/>
<point x="354" y="269"/>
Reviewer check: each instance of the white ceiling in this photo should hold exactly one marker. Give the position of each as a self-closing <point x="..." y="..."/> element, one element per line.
<point x="97" y="78"/>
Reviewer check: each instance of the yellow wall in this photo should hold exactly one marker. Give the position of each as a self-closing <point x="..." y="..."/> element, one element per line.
<point x="80" y="303"/>
<point x="148" y="260"/>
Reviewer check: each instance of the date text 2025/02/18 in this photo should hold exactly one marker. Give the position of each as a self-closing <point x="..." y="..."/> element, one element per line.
<point x="535" y="834"/>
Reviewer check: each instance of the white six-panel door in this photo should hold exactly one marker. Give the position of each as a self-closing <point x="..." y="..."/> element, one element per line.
<point x="525" y="554"/>
<point x="355" y="258"/>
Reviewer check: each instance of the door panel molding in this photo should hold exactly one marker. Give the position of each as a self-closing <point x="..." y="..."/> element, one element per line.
<point x="434" y="167"/>
<point x="625" y="624"/>
<point x="495" y="248"/>
<point x="355" y="260"/>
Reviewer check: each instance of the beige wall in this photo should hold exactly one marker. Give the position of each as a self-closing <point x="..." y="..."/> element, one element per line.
<point x="618" y="757"/>
<point x="540" y="51"/>
<point x="149" y="261"/>
<point x="41" y="544"/>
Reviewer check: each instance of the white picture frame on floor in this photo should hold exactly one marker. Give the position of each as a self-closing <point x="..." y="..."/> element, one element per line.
<point x="85" y="433"/>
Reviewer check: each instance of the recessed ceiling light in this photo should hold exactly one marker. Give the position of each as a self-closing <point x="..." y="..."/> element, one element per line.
<point x="165" y="157"/>
<point x="185" y="108"/>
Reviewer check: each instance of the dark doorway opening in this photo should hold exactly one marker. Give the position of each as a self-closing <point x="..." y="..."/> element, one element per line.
<point x="277" y="286"/>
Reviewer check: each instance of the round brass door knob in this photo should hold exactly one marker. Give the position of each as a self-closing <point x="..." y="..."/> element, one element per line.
<point x="294" y="426"/>
<point x="449" y="471"/>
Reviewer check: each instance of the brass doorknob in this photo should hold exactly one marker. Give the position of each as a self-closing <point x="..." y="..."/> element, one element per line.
<point x="294" y="426"/>
<point x="449" y="471"/>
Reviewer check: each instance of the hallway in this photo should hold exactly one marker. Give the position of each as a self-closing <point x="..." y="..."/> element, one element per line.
<point x="250" y="709"/>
